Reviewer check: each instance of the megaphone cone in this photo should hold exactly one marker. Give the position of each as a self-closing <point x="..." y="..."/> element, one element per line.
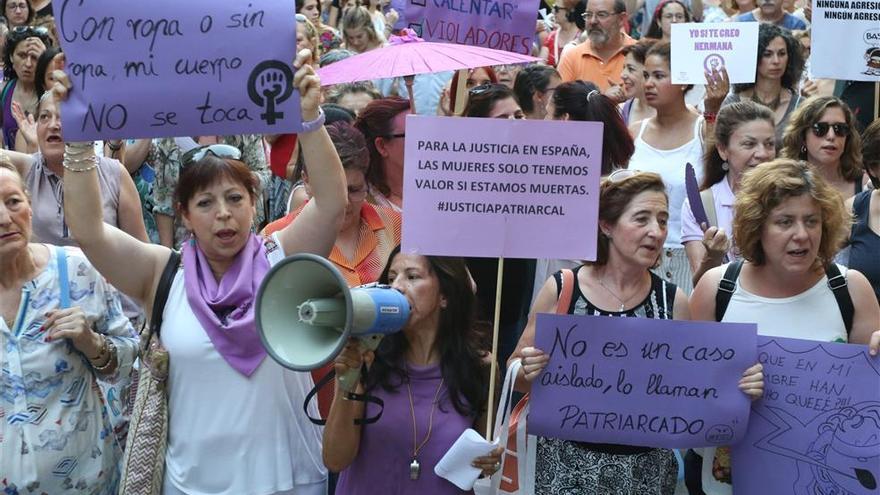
<point x="305" y="312"/>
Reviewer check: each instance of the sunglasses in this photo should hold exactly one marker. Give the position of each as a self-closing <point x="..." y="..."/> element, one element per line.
<point x="820" y="129"/>
<point x="622" y="174"/>
<point x="218" y="150"/>
<point x="486" y="88"/>
<point x="22" y="32"/>
<point x="557" y="8"/>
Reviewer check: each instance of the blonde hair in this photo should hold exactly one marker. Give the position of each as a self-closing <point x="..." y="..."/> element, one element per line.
<point x="764" y="188"/>
<point x="359" y="17"/>
<point x="6" y="164"/>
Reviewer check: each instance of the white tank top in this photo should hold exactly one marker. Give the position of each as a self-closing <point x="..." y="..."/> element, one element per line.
<point x="810" y="315"/>
<point x="227" y="433"/>
<point x="670" y="164"/>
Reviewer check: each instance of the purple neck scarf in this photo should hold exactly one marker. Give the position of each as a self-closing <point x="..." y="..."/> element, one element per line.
<point x="226" y="310"/>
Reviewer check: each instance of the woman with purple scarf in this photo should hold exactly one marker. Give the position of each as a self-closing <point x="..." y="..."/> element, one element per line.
<point x="235" y="420"/>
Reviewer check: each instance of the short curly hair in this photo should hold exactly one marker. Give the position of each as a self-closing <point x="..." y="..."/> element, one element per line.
<point x="794" y="141"/>
<point x="764" y="188"/>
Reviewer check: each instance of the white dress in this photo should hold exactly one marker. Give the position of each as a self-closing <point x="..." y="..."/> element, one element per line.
<point x="228" y="433"/>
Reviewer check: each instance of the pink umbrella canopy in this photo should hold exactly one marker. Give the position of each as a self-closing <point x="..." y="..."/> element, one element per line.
<point x="409" y="55"/>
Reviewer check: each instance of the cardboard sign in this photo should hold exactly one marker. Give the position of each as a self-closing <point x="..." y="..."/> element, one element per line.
<point x="817" y="428"/>
<point x="697" y="48"/>
<point x="169" y="68"/>
<point x="642" y="382"/>
<point x="499" y="24"/>
<point x="495" y="187"/>
<point x="846" y="40"/>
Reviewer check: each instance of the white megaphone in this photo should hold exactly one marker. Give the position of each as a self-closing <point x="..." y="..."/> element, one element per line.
<point x="306" y="313"/>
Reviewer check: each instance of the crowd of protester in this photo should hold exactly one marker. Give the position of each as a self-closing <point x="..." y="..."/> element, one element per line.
<point x="788" y="165"/>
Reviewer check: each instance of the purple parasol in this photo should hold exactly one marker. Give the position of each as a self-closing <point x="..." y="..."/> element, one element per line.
<point x="409" y="55"/>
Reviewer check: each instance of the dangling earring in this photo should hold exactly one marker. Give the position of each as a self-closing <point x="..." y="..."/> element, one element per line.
<point x="725" y="166"/>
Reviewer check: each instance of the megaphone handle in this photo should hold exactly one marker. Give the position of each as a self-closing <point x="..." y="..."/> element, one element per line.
<point x="349" y="380"/>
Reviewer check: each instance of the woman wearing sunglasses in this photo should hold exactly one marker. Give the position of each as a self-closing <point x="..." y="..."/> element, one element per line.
<point x="569" y="26"/>
<point x="822" y="132"/>
<point x="235" y="420"/>
<point x="24" y="45"/>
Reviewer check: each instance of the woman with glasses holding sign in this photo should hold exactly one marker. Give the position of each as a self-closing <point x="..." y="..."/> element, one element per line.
<point x="822" y="131"/>
<point x="235" y="423"/>
<point x="633" y="223"/>
<point x="788" y="223"/>
<point x="24" y="45"/>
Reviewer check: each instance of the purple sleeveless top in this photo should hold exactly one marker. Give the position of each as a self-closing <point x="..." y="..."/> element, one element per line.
<point x="385" y="453"/>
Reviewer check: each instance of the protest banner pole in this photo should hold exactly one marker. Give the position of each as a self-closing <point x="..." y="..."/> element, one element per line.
<point x="461" y="92"/>
<point x="495" y="327"/>
<point x="877" y="100"/>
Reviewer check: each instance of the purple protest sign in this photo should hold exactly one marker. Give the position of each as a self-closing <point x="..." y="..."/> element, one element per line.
<point x="643" y="382"/>
<point x="817" y="429"/>
<point x="499" y="24"/>
<point x="495" y="187"/>
<point x="170" y="68"/>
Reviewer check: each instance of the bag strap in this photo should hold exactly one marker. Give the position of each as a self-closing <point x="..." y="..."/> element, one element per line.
<point x="566" y="291"/>
<point x="708" y="199"/>
<point x="726" y="286"/>
<point x="3" y="95"/>
<point x="63" y="280"/>
<point x="327" y="378"/>
<point x="837" y="284"/>
<point x="162" y="291"/>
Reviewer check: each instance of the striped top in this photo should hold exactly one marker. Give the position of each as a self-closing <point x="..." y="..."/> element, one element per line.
<point x="657" y="304"/>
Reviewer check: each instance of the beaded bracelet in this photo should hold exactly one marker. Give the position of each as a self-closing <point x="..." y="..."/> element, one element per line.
<point x="78" y="154"/>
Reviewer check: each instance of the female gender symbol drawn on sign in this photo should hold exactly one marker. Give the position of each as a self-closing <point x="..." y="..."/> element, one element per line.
<point x="713" y="62"/>
<point x="270" y="84"/>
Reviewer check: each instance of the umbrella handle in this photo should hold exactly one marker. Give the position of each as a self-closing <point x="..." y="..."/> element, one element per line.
<point x="409" y="89"/>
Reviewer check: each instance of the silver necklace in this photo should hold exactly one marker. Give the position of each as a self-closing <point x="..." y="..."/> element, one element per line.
<point x="615" y="296"/>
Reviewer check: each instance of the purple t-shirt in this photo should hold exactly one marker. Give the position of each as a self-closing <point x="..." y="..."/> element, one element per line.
<point x="385" y="453"/>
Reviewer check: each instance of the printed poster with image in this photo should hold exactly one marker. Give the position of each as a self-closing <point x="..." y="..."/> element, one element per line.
<point x="698" y="48"/>
<point x="846" y="40"/>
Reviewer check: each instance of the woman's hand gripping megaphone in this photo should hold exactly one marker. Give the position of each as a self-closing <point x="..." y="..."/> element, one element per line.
<point x="348" y="364"/>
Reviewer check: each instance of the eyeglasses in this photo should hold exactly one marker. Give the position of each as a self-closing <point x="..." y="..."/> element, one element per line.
<point x="600" y="16"/>
<point x="820" y="129"/>
<point x="218" y="150"/>
<point x="486" y="88"/>
<point x="17" y="6"/>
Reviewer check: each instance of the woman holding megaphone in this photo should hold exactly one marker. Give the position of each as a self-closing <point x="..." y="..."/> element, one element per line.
<point x="432" y="377"/>
<point x="234" y="422"/>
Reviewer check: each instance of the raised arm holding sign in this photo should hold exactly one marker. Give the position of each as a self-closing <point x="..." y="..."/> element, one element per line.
<point x="199" y="68"/>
